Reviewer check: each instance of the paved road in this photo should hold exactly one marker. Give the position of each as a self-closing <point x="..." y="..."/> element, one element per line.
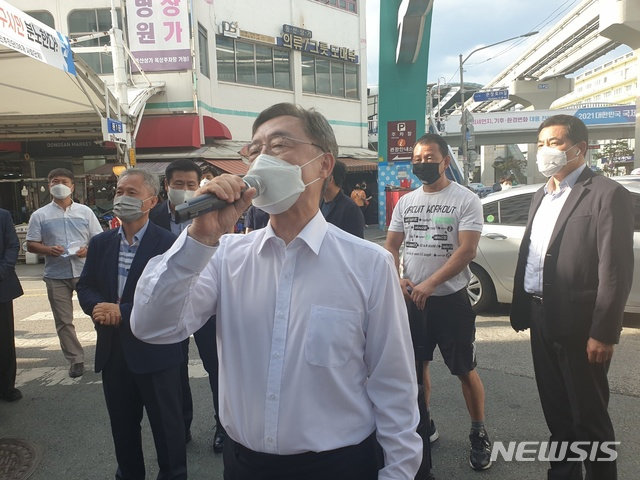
<point x="67" y="420"/>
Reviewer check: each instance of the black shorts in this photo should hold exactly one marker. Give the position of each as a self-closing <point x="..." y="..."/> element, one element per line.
<point x="449" y="322"/>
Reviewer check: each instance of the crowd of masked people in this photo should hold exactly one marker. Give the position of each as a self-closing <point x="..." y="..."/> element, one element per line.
<point x="317" y="349"/>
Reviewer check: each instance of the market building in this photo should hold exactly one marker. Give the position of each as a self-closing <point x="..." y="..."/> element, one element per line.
<point x="183" y="80"/>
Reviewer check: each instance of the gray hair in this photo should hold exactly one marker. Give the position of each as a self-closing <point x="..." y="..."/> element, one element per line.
<point x="314" y="123"/>
<point x="149" y="180"/>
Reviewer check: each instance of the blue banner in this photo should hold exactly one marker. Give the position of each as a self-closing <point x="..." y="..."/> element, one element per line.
<point x="607" y="115"/>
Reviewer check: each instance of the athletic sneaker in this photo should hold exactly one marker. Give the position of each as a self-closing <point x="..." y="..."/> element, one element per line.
<point x="433" y="432"/>
<point x="480" y="455"/>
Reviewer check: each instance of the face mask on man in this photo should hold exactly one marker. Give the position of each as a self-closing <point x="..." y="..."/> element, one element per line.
<point x="60" y="191"/>
<point x="428" y="173"/>
<point x="128" y="209"/>
<point x="178" y="196"/>
<point x="281" y="183"/>
<point x="551" y="160"/>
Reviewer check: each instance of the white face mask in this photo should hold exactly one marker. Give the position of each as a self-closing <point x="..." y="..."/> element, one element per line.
<point x="60" y="191"/>
<point x="179" y="196"/>
<point x="281" y="183"/>
<point x="551" y="160"/>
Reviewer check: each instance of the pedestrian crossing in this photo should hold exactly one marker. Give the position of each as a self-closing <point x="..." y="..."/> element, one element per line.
<point x="29" y="343"/>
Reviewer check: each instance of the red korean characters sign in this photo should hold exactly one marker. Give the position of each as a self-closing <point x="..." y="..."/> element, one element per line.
<point x="159" y="34"/>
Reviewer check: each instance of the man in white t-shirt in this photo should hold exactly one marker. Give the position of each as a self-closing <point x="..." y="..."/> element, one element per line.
<point x="440" y="225"/>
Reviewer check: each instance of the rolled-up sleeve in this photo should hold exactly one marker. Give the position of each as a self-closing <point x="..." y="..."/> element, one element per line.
<point x="176" y="293"/>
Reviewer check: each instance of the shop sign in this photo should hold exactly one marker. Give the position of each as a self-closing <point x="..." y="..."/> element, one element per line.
<point x="303" y="42"/>
<point x="159" y="34"/>
<point x="65" y="148"/>
<point x="231" y="29"/>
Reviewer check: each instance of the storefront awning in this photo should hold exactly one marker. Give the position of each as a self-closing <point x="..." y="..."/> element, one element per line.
<point x="165" y="131"/>
<point x="235" y="167"/>
<point x="359" y="165"/>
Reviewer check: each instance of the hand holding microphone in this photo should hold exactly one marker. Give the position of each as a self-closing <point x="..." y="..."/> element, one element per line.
<point x="208" y="202"/>
<point x="224" y="199"/>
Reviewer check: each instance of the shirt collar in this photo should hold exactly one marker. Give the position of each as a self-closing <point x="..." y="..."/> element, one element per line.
<point x="567" y="182"/>
<point x="312" y="234"/>
<point x="137" y="237"/>
<point x="53" y="202"/>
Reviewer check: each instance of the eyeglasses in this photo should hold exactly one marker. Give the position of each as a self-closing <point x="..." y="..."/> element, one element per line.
<point x="277" y="145"/>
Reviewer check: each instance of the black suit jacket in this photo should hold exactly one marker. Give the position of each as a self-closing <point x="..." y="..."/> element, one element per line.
<point x="160" y="215"/>
<point x="346" y="215"/>
<point x="99" y="283"/>
<point x="10" y="287"/>
<point x="588" y="267"/>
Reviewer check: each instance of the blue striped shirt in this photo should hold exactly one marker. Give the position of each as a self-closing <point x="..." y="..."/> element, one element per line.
<point x="127" y="253"/>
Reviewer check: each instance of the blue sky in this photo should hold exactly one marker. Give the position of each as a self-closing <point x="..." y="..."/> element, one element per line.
<point x="460" y="26"/>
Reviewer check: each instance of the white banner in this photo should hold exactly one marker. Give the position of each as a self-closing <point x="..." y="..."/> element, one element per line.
<point x="26" y="35"/>
<point x="159" y="34"/>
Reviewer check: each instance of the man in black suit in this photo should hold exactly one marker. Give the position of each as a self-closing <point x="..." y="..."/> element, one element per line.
<point x="572" y="280"/>
<point x="339" y="209"/>
<point x="134" y="374"/>
<point x="182" y="179"/>
<point x="9" y="289"/>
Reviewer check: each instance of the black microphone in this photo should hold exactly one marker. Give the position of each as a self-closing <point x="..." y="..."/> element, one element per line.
<point x="208" y="202"/>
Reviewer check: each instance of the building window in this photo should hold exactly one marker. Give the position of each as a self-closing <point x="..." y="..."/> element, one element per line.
<point x="85" y="22"/>
<point x="44" y="17"/>
<point x="252" y="63"/>
<point x="203" y="49"/>
<point x="329" y="77"/>
<point x="349" y="5"/>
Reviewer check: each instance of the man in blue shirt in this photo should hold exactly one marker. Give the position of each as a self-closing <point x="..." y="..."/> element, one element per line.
<point x="61" y="231"/>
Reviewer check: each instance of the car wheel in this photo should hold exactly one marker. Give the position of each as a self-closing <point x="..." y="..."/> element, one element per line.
<point x="481" y="291"/>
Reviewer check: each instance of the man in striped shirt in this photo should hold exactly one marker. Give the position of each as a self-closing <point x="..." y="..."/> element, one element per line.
<point x="135" y="375"/>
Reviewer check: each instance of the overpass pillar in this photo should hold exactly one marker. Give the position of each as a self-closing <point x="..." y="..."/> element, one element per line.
<point x="540" y="93"/>
<point x="620" y="21"/>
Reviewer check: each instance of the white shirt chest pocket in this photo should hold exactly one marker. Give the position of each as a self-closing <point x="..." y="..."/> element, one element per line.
<point x="333" y="336"/>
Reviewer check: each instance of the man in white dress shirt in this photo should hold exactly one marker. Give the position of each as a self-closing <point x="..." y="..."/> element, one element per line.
<point x="318" y="364"/>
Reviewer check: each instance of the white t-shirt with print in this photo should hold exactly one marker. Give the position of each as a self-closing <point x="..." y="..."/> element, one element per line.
<point x="430" y="223"/>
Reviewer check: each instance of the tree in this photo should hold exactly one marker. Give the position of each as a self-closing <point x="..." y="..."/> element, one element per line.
<point x="510" y="166"/>
<point x="614" y="156"/>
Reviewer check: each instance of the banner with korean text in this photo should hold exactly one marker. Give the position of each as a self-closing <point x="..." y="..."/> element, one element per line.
<point x="159" y="34"/>
<point x="26" y="35"/>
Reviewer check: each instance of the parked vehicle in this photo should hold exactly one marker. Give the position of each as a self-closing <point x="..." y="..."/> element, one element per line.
<point x="480" y="189"/>
<point x="505" y="218"/>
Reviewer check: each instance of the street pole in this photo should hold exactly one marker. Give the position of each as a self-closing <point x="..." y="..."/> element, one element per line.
<point x="120" y="81"/>
<point x="464" y="127"/>
<point x="463" y="112"/>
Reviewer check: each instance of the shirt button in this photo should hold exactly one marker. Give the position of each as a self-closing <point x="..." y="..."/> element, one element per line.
<point x="270" y="439"/>
<point x="272" y="396"/>
<point x="276" y="355"/>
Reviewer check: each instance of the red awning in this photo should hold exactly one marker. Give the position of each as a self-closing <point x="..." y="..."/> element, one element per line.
<point x="159" y="131"/>
<point x="236" y="167"/>
<point x="10" y="147"/>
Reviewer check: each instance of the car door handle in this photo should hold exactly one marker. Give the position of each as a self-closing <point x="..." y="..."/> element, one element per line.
<point x="495" y="236"/>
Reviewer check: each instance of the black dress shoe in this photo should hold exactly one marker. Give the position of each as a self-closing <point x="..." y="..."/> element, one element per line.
<point x="218" y="438"/>
<point x="11" y="395"/>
